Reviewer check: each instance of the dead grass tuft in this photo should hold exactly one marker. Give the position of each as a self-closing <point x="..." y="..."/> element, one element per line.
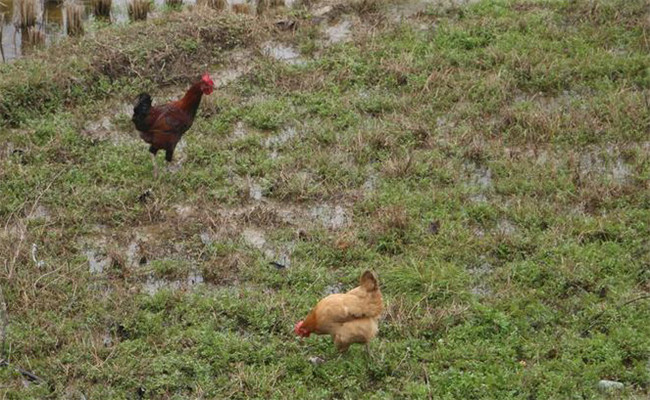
<point x="242" y="8"/>
<point x="74" y="17"/>
<point x="35" y="35"/>
<point x="2" y="23"/>
<point x="398" y="165"/>
<point x="138" y="9"/>
<point x="214" y="4"/>
<point x="102" y="8"/>
<point x="26" y="13"/>
<point x="389" y="229"/>
<point x="262" y="7"/>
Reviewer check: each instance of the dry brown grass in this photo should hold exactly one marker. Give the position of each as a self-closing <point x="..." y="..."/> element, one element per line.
<point x="138" y="9"/>
<point x="102" y="8"/>
<point x="74" y="17"/>
<point x="276" y="3"/>
<point x="214" y="4"/>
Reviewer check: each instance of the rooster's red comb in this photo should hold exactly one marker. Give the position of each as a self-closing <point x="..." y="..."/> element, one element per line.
<point x="206" y="78"/>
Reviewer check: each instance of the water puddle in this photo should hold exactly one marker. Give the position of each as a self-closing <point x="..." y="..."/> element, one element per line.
<point x="37" y="262"/>
<point x="282" y="52"/>
<point x="284" y="136"/>
<point x="153" y="284"/>
<point x="340" y="32"/>
<point x="184" y="211"/>
<point x="96" y="262"/>
<point x="333" y="289"/>
<point x="206" y="238"/>
<point x="607" y="162"/>
<point x="370" y="183"/>
<point x="331" y="217"/>
<point x="279" y="255"/>
<point x="239" y="65"/>
<point x="40" y="212"/>
<point x="105" y="130"/>
<point x="240" y="131"/>
<point x="480" y="274"/>
<point x="409" y="9"/>
<point x="254" y="238"/>
<point x="480" y="178"/>
<point x="505" y="227"/>
<point x="255" y="191"/>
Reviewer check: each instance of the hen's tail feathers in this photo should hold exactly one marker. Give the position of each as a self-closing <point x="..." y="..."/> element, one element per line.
<point x="369" y="281"/>
<point x="141" y="111"/>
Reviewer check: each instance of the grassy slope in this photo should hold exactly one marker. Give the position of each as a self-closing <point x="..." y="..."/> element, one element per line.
<point x="520" y="126"/>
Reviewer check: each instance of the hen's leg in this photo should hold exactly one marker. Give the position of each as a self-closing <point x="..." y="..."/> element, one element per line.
<point x="368" y="354"/>
<point x="341" y="344"/>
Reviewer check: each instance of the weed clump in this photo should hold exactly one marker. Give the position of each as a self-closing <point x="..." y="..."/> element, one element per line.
<point x="138" y="9"/>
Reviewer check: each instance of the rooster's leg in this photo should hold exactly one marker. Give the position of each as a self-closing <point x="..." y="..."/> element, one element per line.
<point x="155" y="167"/>
<point x="153" y="152"/>
<point x="169" y="154"/>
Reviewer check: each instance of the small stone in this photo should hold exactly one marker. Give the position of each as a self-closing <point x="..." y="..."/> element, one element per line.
<point x="278" y="265"/>
<point x="322" y="11"/>
<point x="316" y="360"/>
<point x="302" y="235"/>
<point x="286" y="24"/>
<point x="145" y="196"/>
<point x="607" y="385"/>
<point x="333" y="289"/>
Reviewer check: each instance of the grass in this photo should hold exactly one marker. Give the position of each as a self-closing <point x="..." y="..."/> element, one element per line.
<point x="489" y="161"/>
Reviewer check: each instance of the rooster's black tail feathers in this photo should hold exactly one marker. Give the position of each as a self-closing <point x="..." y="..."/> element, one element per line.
<point x="141" y="111"/>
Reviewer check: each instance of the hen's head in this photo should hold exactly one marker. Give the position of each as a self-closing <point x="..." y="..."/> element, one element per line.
<point x="300" y="331"/>
<point x="207" y="86"/>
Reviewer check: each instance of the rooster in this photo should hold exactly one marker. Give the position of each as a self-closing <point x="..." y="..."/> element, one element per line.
<point x="164" y="125"/>
<point x="349" y="318"/>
